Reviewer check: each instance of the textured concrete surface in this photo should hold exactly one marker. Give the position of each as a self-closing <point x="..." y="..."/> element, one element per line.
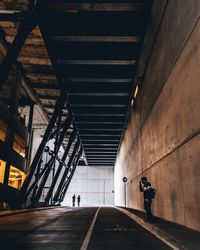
<point x="180" y="236"/>
<point x="52" y="229"/>
<point x="162" y="138"/>
<point x="115" y="230"/>
<point x="63" y="229"/>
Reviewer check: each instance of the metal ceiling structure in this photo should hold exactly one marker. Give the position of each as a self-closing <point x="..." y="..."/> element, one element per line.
<point x="80" y="57"/>
<point x="90" y="49"/>
<point x="94" y="47"/>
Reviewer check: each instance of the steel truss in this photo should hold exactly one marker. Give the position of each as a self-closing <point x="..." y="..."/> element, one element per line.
<point x="37" y="176"/>
<point x="69" y="176"/>
<point x="69" y="164"/>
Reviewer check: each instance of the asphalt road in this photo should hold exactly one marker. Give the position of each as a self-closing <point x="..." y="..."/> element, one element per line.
<point x="64" y="228"/>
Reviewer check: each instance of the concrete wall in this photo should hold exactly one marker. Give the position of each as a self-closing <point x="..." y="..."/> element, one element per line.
<point x="162" y="139"/>
<point x="95" y="185"/>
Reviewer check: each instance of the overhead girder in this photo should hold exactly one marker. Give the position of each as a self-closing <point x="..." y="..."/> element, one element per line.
<point x="26" y="26"/>
<point x="11" y="15"/>
<point x="97" y="64"/>
<point x="94" y="39"/>
<point x="100" y="7"/>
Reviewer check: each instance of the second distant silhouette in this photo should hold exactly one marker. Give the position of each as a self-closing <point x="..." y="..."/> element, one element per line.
<point x="78" y="200"/>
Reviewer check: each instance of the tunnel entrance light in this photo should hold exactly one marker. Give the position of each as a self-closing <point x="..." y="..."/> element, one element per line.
<point x="132" y="102"/>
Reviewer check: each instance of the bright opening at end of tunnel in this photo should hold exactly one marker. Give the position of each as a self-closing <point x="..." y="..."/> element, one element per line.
<point x="94" y="184"/>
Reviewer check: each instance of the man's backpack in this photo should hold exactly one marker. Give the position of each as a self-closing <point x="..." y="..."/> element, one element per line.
<point x="152" y="193"/>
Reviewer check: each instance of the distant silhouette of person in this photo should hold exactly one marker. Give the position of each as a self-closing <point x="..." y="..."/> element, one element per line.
<point x="73" y="200"/>
<point x="146" y="188"/>
<point x="78" y="200"/>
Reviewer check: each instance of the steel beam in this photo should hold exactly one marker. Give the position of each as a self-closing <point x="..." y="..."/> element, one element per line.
<point x="57" y="194"/>
<point x="30" y="120"/>
<point x="101" y="154"/>
<point x="51" y="161"/>
<point x="96" y="62"/>
<point x="32" y="4"/>
<point x="37" y="177"/>
<point x="102" y="93"/>
<point x="58" y="144"/>
<point x="34" y="184"/>
<point x="101" y="80"/>
<point x="58" y="107"/>
<point x="30" y="140"/>
<point x="96" y="7"/>
<point x="11" y="128"/>
<point x="66" y="185"/>
<point x="11" y="15"/>
<point x="24" y="30"/>
<point x="71" y="139"/>
<point x="88" y="39"/>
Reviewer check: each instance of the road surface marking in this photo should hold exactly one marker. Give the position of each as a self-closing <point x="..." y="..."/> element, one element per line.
<point x="148" y="228"/>
<point x="89" y="233"/>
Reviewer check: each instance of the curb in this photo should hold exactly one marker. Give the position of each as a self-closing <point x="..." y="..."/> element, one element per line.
<point x="167" y="239"/>
<point x="24" y="211"/>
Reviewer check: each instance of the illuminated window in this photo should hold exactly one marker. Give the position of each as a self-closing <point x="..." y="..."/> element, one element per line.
<point x="19" y="149"/>
<point x="16" y="177"/>
<point x="2" y="170"/>
<point x="3" y="130"/>
<point x="17" y="146"/>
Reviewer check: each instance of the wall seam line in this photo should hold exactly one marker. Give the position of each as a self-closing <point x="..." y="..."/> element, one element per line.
<point x="169" y="73"/>
<point x="186" y="140"/>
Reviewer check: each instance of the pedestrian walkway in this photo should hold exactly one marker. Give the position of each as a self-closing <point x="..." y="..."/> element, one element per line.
<point x="180" y="236"/>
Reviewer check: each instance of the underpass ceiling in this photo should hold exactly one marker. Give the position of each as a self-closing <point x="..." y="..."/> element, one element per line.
<point x="94" y="47"/>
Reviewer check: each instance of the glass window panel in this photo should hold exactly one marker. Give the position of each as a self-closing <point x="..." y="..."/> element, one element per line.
<point x="2" y="170"/>
<point x="3" y="130"/>
<point x="16" y="177"/>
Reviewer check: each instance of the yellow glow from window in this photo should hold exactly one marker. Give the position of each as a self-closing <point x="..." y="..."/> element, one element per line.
<point x="3" y="130"/>
<point x="18" y="148"/>
<point x="136" y="91"/>
<point x="2" y="170"/>
<point x="16" y="177"/>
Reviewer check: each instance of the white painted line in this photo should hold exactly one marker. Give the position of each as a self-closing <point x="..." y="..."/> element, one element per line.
<point x="89" y="233"/>
<point x="149" y="228"/>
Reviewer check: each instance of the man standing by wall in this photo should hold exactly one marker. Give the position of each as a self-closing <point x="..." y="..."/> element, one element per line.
<point x="146" y="188"/>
